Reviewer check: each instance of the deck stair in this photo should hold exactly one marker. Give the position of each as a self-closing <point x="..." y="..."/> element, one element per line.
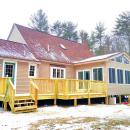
<point x="24" y="104"/>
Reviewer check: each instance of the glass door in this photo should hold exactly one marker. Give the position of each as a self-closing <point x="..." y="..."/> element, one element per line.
<point x="9" y="71"/>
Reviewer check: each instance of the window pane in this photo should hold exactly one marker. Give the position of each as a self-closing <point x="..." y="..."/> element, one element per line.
<point x="120" y="76"/>
<point x="62" y="73"/>
<point x="86" y="75"/>
<point x="127" y="77"/>
<point x="54" y="73"/>
<point x="112" y="76"/>
<point x="100" y="74"/>
<point x="58" y="73"/>
<point x="80" y="75"/>
<point x="95" y="74"/>
<point x="32" y="70"/>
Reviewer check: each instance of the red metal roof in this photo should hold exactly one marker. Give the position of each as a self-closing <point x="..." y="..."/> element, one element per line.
<point x="52" y="48"/>
<point x="9" y="49"/>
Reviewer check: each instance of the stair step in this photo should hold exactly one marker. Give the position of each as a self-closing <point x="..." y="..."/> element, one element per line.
<point x="25" y="109"/>
<point x="22" y="101"/>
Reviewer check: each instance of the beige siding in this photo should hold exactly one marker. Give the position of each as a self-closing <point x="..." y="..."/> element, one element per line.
<point x="70" y="72"/>
<point x="16" y="36"/>
<point x="44" y="70"/>
<point x="119" y="89"/>
<point x="22" y="82"/>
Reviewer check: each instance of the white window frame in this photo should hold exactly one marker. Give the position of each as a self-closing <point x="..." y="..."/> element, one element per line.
<point x="83" y="73"/>
<point x="102" y="72"/>
<point x="61" y="68"/>
<point x="35" y="70"/>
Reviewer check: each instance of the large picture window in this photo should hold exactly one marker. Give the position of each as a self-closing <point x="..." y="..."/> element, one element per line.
<point x="57" y="72"/>
<point x="120" y="76"/>
<point x="127" y="77"/>
<point x="112" y="75"/>
<point x="97" y="74"/>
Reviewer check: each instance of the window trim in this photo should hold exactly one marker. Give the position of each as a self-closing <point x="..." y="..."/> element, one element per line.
<point x="115" y="75"/>
<point x="61" y="68"/>
<point x="3" y="71"/>
<point x="83" y="73"/>
<point x="35" y="70"/>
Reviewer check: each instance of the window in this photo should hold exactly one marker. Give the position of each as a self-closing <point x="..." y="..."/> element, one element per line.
<point x="57" y="72"/>
<point x="125" y="60"/>
<point x="122" y="59"/>
<point x="32" y="70"/>
<point x="112" y="75"/>
<point x="127" y="77"/>
<point x="119" y="59"/>
<point x="120" y="76"/>
<point x="97" y="74"/>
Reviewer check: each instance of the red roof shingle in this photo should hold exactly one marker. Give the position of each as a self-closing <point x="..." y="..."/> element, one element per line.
<point x="48" y="47"/>
<point x="9" y="49"/>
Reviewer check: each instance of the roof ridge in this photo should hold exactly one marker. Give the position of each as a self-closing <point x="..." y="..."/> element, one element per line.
<point x="48" y="34"/>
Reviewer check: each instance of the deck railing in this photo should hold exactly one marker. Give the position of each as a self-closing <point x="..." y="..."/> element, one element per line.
<point x="69" y="86"/>
<point x="45" y="86"/>
<point x="34" y="91"/>
<point x="11" y="94"/>
<point x="3" y="84"/>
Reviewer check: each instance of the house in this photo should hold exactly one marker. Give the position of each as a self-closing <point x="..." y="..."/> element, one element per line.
<point x="28" y="53"/>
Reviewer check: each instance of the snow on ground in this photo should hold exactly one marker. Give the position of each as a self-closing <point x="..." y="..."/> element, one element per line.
<point x="82" y="117"/>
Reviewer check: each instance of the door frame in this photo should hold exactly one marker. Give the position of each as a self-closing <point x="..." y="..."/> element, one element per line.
<point x="83" y="73"/>
<point x="15" y="71"/>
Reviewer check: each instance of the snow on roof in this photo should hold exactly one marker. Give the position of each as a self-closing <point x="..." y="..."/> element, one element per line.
<point x="95" y="58"/>
<point x="15" y="50"/>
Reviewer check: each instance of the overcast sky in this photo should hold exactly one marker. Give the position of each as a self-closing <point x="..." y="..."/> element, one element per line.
<point x="85" y="13"/>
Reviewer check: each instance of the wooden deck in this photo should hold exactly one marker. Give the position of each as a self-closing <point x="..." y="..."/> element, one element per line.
<point x="41" y="89"/>
<point x="66" y="89"/>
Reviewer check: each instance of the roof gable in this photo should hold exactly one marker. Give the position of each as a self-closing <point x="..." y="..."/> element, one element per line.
<point x="48" y="47"/>
<point x="15" y="35"/>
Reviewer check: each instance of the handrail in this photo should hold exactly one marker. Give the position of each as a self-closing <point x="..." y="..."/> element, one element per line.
<point x="34" y="91"/>
<point x="3" y="85"/>
<point x="11" y="94"/>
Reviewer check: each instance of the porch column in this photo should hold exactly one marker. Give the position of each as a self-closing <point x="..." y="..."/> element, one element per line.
<point x="5" y="106"/>
<point x="106" y="100"/>
<point x="55" y="101"/>
<point x="120" y="99"/>
<point x="89" y="101"/>
<point x="128" y="98"/>
<point x="75" y="102"/>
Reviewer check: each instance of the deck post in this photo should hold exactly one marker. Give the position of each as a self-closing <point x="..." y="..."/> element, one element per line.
<point x="89" y="101"/>
<point x="55" y="101"/>
<point x="128" y="98"/>
<point x="119" y="99"/>
<point x="5" y="106"/>
<point x="106" y="100"/>
<point x="75" y="102"/>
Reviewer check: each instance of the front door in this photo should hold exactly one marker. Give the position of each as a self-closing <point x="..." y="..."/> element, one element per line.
<point x="9" y="71"/>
